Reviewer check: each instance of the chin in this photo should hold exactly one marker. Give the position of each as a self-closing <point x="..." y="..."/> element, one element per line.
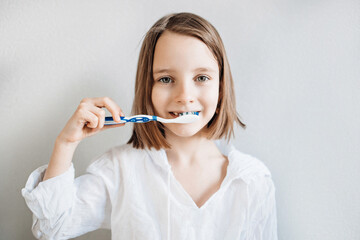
<point x="184" y="131"/>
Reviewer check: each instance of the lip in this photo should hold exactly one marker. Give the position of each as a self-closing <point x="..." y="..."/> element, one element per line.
<point x="175" y="116"/>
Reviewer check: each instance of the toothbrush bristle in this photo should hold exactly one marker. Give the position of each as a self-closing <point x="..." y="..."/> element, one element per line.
<point x="187" y="117"/>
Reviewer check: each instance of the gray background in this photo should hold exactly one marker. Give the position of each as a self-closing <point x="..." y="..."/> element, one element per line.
<point x="296" y="71"/>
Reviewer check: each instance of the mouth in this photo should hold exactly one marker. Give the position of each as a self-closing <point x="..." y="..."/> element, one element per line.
<point x="179" y="114"/>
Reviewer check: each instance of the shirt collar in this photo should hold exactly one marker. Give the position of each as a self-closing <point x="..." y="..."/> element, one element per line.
<point x="241" y="165"/>
<point x="160" y="158"/>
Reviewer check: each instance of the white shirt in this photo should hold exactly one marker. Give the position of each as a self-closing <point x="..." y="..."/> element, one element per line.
<point x="135" y="193"/>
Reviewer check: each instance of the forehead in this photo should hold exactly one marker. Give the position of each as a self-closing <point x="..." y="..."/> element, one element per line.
<point x="177" y="51"/>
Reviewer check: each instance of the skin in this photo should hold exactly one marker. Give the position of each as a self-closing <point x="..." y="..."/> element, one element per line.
<point x="196" y="162"/>
<point x="87" y="120"/>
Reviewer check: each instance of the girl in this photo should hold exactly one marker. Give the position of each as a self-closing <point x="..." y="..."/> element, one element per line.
<point x="170" y="181"/>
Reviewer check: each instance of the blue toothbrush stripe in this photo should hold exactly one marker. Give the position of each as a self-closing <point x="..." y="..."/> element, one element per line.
<point x="183" y="118"/>
<point x="133" y="120"/>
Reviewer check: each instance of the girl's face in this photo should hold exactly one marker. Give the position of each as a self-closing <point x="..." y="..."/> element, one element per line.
<point x="186" y="76"/>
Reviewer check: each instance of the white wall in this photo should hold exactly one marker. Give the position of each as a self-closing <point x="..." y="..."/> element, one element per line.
<point x="296" y="70"/>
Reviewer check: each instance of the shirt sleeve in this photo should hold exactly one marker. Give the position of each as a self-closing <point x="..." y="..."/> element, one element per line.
<point x="263" y="220"/>
<point x="64" y="207"/>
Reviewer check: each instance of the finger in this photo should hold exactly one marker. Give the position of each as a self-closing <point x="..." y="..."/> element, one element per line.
<point x="110" y="105"/>
<point x="90" y="119"/>
<point x="113" y="126"/>
<point x="100" y="113"/>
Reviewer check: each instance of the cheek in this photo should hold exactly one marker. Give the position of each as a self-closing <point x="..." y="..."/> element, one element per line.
<point x="157" y="99"/>
<point x="211" y="98"/>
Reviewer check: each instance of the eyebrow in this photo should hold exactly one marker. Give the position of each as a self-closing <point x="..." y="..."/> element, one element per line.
<point x="202" y="69"/>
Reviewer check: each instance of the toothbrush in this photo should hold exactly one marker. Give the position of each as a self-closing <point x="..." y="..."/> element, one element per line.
<point x="185" y="117"/>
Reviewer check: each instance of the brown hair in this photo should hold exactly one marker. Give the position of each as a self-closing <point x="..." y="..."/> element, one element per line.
<point x="152" y="134"/>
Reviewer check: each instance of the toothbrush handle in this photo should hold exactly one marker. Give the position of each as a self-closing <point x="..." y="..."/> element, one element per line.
<point x="133" y="119"/>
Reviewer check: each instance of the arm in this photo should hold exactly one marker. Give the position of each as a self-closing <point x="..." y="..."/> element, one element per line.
<point x="87" y="120"/>
<point x="61" y="159"/>
<point x="65" y="207"/>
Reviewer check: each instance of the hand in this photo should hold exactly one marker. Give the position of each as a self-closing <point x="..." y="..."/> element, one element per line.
<point x="89" y="119"/>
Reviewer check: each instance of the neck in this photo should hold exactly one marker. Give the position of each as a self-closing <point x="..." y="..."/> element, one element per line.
<point x="188" y="151"/>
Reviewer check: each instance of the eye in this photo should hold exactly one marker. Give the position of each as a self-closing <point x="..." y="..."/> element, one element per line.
<point x="202" y="78"/>
<point x="165" y="80"/>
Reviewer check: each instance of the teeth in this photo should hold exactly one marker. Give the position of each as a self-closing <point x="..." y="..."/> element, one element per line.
<point x="185" y="113"/>
<point x="179" y="114"/>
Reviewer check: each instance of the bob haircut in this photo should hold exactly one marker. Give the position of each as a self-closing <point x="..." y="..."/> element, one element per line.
<point x="152" y="134"/>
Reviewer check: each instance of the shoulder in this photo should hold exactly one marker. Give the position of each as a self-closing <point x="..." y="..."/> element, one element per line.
<point x="255" y="174"/>
<point x="116" y="164"/>
<point x="127" y="151"/>
<point x="247" y="166"/>
<point x="242" y="165"/>
<point x="114" y="158"/>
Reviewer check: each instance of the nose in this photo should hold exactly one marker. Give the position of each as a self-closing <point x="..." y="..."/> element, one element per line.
<point x="184" y="92"/>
